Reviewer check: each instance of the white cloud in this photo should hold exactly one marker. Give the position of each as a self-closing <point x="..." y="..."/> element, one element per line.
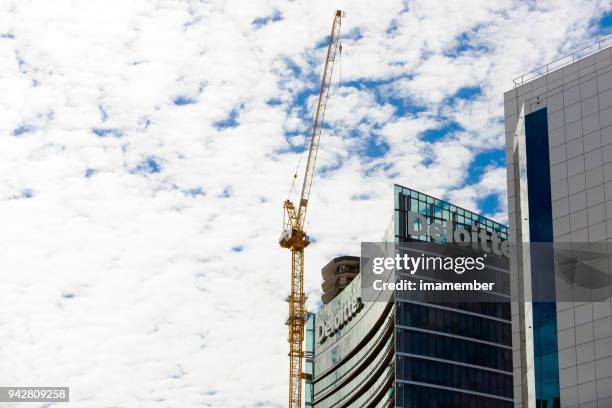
<point x="141" y="288"/>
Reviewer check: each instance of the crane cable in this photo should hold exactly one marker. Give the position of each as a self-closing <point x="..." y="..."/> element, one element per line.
<point x="295" y="174"/>
<point x="297" y="168"/>
<point x="340" y="65"/>
<point x="300" y="157"/>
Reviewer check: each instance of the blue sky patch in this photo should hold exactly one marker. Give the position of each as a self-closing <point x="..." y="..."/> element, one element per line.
<point x="290" y="149"/>
<point x="433" y="135"/>
<point x="292" y="66"/>
<point x="273" y="102"/>
<point x="466" y="43"/>
<point x="468" y="92"/>
<point x="262" y="21"/>
<point x="405" y="106"/>
<point x="384" y="92"/>
<point x="376" y="147"/>
<point x="148" y="166"/>
<point x="231" y="121"/>
<point x="183" y="100"/>
<point x="368" y="83"/>
<point x="24" y="194"/>
<point x="489" y="204"/>
<point x="322" y="43"/>
<point x="355" y="34"/>
<point x="105" y="132"/>
<point x="195" y="192"/>
<point x="481" y="161"/>
<point x="393" y="26"/>
<point x="330" y="168"/>
<point x="23" y="129"/>
<point x="300" y="100"/>
<point x="605" y="24"/>
<point x="103" y="113"/>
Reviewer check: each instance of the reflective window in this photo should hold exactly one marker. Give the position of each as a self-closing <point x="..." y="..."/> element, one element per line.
<point x="430" y="318"/>
<point x="414" y="396"/>
<point x="454" y="376"/>
<point x="546" y="361"/>
<point x="440" y="211"/>
<point x="356" y="361"/>
<point x="362" y="386"/>
<point x="449" y="348"/>
<point x="308" y="360"/>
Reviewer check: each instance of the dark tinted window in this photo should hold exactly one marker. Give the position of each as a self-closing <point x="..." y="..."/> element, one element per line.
<point x="414" y="396"/>
<point x="430" y="318"/>
<point x="448" y="348"/>
<point x="454" y="376"/>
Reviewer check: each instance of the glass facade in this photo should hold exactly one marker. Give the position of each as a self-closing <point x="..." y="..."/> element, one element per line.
<point x="458" y="323"/>
<point x="354" y="366"/>
<point x="453" y="375"/>
<point x="416" y="396"/>
<point x="309" y="350"/>
<point x="413" y="341"/>
<point x="450" y="355"/>
<point x="400" y="353"/>
<point x="436" y="210"/>
<point x="546" y="358"/>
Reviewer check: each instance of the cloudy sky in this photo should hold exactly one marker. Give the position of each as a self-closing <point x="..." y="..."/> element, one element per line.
<point x="146" y="148"/>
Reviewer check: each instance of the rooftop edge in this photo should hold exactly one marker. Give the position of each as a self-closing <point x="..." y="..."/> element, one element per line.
<point x="577" y="55"/>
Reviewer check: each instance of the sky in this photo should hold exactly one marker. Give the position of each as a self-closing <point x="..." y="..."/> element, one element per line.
<point x="146" y="148"/>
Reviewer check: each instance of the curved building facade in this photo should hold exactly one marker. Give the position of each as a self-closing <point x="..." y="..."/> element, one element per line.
<point x="354" y="364"/>
<point x="396" y="352"/>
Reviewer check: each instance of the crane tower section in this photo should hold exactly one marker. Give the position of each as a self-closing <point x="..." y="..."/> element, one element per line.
<point x="293" y="236"/>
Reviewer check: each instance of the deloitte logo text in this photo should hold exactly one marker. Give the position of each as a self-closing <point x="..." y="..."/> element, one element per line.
<point x="349" y="309"/>
<point x="487" y="241"/>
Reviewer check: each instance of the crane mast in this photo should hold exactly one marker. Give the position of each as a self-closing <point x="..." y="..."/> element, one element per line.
<point x="294" y="237"/>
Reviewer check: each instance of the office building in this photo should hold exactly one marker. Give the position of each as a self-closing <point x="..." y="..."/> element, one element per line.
<point x="558" y="126"/>
<point x="337" y="274"/>
<point x="401" y="353"/>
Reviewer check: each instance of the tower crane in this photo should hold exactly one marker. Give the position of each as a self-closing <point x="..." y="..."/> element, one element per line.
<point x="294" y="238"/>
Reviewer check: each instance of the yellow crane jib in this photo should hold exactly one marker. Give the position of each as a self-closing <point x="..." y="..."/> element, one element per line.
<point x="293" y="236"/>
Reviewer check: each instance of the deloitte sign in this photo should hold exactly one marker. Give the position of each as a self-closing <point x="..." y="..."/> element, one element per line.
<point x="487" y="241"/>
<point x="349" y="309"/>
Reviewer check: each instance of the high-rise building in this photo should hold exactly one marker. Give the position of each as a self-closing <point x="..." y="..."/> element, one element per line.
<point x="558" y="123"/>
<point x="337" y="274"/>
<point x="400" y="352"/>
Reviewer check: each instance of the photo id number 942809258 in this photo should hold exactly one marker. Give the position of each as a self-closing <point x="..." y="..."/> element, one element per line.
<point x="34" y="394"/>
